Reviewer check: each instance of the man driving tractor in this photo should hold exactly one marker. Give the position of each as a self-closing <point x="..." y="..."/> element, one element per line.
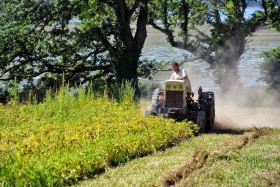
<point x="176" y="100"/>
<point x="181" y="74"/>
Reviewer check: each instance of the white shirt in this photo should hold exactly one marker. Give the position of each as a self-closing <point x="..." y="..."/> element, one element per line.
<point x="181" y="73"/>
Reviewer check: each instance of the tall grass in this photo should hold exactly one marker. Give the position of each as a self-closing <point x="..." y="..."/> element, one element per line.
<point x="72" y="136"/>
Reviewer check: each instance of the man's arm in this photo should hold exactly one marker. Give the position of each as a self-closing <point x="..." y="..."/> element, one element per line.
<point x="184" y="75"/>
<point x="182" y="78"/>
<point x="172" y="76"/>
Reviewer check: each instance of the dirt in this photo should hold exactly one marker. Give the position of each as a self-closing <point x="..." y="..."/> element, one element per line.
<point x="245" y="109"/>
<point x="185" y="169"/>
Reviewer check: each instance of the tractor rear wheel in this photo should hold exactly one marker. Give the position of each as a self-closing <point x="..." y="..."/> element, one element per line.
<point x="201" y="121"/>
<point x="211" y="118"/>
<point x="207" y="102"/>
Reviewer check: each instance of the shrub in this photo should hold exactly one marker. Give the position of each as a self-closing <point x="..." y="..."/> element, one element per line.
<point x="270" y="68"/>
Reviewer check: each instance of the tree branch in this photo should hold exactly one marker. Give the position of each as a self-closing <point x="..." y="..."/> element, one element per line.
<point x="141" y="31"/>
<point x="106" y="43"/>
<point x="132" y="10"/>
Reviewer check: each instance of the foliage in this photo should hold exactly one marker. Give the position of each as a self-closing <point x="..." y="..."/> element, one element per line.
<point x="126" y="93"/>
<point x="4" y="95"/>
<point x="148" y="68"/>
<point x="272" y="11"/>
<point x="40" y="40"/>
<point x="94" y="41"/>
<point x="270" y="68"/>
<point x="71" y="136"/>
<point x="274" y="19"/>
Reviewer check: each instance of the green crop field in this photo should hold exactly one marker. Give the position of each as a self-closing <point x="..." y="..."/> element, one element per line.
<point x="70" y="137"/>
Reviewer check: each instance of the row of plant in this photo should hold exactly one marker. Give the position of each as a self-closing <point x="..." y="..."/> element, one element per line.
<point x="72" y="136"/>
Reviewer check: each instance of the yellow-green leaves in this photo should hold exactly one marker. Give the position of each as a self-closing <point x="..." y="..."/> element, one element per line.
<point x="71" y="136"/>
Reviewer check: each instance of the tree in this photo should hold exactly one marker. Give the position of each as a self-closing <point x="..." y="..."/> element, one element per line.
<point x="272" y="11"/>
<point x="39" y="41"/>
<point x="223" y="46"/>
<point x="270" y="68"/>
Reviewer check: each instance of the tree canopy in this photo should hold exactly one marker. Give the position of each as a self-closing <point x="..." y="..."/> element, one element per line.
<point x="83" y="39"/>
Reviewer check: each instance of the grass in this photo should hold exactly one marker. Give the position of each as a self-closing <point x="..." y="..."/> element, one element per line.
<point x="256" y="164"/>
<point x="231" y="158"/>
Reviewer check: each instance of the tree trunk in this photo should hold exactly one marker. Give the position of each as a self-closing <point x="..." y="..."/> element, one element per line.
<point x="128" y="51"/>
<point x="125" y="68"/>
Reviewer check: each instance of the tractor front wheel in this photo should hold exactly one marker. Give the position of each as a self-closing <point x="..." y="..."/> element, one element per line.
<point x="156" y="104"/>
<point x="147" y="113"/>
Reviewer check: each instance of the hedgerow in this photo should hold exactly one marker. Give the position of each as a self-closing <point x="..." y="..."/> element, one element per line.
<point x="72" y="136"/>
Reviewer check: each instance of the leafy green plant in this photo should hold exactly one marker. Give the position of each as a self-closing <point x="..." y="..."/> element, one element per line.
<point x="270" y="68"/>
<point x="71" y="136"/>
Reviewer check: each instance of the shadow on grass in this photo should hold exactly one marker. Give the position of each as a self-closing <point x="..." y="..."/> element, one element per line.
<point x="228" y="131"/>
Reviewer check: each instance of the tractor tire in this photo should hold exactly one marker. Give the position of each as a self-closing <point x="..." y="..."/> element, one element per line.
<point x="211" y="119"/>
<point x="147" y="113"/>
<point x="207" y="102"/>
<point x="155" y="102"/>
<point x="201" y="121"/>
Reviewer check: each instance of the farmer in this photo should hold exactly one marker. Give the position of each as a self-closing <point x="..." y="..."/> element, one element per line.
<point x="180" y="74"/>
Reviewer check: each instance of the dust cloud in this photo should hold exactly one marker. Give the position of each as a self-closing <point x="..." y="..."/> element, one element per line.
<point x="248" y="107"/>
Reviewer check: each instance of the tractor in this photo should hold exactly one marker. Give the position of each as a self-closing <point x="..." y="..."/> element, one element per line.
<point x="173" y="101"/>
